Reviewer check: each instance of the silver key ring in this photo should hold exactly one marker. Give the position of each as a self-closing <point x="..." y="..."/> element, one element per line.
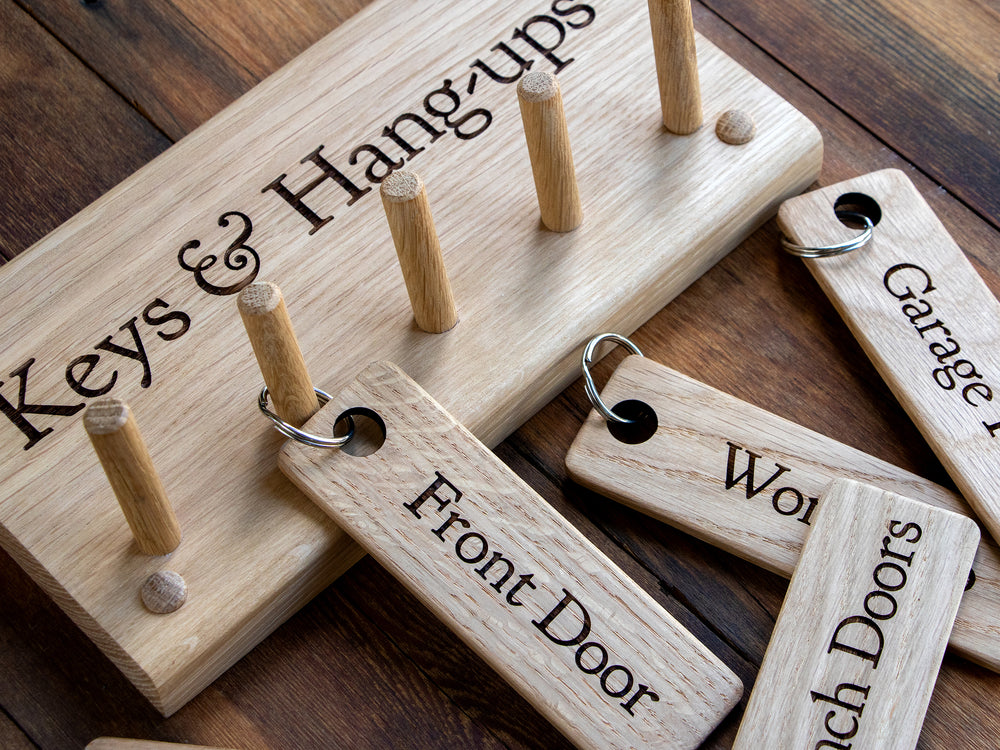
<point x="588" y="380"/>
<point x="296" y="434"/>
<point x="828" y="251"/>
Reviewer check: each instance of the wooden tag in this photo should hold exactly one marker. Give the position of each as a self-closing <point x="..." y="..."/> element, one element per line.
<point x="923" y="315"/>
<point x="751" y="482"/>
<point x="858" y="643"/>
<point x="524" y="589"/>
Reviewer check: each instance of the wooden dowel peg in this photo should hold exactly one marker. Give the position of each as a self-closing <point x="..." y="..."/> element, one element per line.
<point x="121" y="743"/>
<point x="265" y="317"/>
<point x="125" y="458"/>
<point x="545" y="131"/>
<point x="676" y="64"/>
<point x="409" y="215"/>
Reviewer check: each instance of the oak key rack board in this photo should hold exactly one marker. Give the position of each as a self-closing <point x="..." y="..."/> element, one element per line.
<point x="135" y="296"/>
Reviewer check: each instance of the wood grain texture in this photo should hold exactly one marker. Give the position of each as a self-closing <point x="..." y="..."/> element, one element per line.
<point x="182" y="62"/>
<point x="858" y="643"/>
<point x="756" y="325"/>
<point x="166" y="259"/>
<point x="395" y="500"/>
<point x="11" y="737"/>
<point x="676" y="64"/>
<point x="122" y="451"/>
<point x="122" y="743"/>
<point x="921" y="79"/>
<point x="759" y="327"/>
<point x="68" y="140"/>
<point x="269" y="328"/>
<point x="925" y="318"/>
<point x="751" y="482"/>
<point x="408" y="212"/>
<point x="547" y="138"/>
<point x="269" y="699"/>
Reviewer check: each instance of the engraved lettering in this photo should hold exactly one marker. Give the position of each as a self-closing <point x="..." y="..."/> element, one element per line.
<point x="748" y="473"/>
<point x="380" y="158"/>
<point x="391" y="132"/>
<point x="431" y="492"/>
<point x="863" y="637"/>
<point x="16" y="413"/>
<point x="174" y="316"/>
<point x="587" y="10"/>
<point x="524" y="34"/>
<point x="522" y="65"/>
<point x="237" y="257"/>
<point x="568" y="622"/>
<point x="557" y="610"/>
<point x="900" y="281"/>
<point x="138" y="354"/>
<point x="327" y="172"/>
<point x="786" y="501"/>
<point x="76" y="380"/>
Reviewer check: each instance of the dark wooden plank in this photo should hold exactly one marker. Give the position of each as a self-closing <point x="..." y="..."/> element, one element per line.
<point x="66" y="138"/>
<point x="474" y="688"/>
<point x="181" y="62"/>
<point x="11" y="736"/>
<point x="921" y="75"/>
<point x="331" y="678"/>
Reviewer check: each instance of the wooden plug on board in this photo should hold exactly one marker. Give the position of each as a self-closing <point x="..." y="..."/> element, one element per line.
<point x="125" y="458"/>
<point x="265" y="317"/>
<point x="676" y="64"/>
<point x="545" y="130"/>
<point x="409" y="215"/>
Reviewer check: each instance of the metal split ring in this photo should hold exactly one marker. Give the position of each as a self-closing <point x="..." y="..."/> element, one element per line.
<point x="828" y="251"/>
<point x="588" y="380"/>
<point x="304" y="437"/>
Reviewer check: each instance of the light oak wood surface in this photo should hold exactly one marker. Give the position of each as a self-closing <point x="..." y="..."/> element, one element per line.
<point x="558" y="621"/>
<point x="751" y="482"/>
<point x="858" y="642"/>
<point x="925" y="318"/>
<point x="156" y="261"/>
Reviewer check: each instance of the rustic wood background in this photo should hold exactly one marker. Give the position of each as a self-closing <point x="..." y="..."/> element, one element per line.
<point x="92" y="92"/>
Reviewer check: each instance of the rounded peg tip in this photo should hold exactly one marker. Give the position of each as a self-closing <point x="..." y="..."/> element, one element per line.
<point x="105" y="416"/>
<point x="401" y="186"/>
<point x="258" y="298"/>
<point x="537" y="86"/>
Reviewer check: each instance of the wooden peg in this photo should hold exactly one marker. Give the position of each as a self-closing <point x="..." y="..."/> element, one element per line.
<point x="265" y="317"/>
<point x="676" y="64"/>
<point x="548" y="146"/>
<point x="123" y="454"/>
<point x="409" y="214"/>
